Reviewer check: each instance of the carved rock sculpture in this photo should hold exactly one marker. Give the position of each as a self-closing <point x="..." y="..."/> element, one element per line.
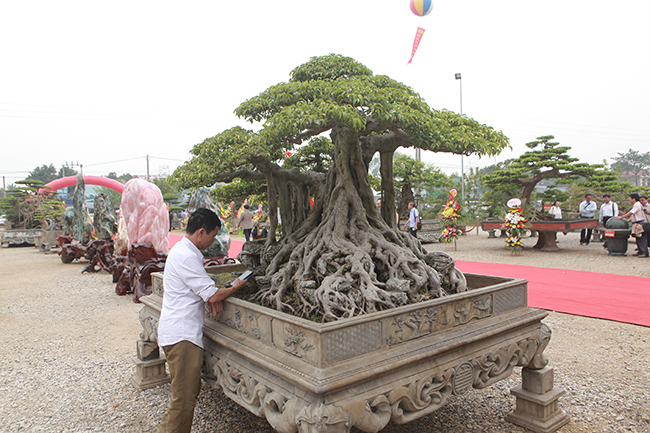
<point x="201" y="199"/>
<point x="81" y="226"/>
<point x="122" y="238"/>
<point x="103" y="217"/>
<point x="68" y="222"/>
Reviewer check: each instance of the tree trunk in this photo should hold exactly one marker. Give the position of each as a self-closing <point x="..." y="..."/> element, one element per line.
<point x="406" y="198"/>
<point x="388" y="209"/>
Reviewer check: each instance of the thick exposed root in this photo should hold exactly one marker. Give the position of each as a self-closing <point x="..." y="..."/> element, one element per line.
<point x="332" y="274"/>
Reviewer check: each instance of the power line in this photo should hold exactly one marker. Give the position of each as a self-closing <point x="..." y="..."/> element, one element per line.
<point x="114" y="162"/>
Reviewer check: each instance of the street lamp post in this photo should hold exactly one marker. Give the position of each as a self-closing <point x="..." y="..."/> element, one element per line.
<point x="462" y="168"/>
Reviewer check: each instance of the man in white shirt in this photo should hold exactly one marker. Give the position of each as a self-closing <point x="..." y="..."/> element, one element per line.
<point x="646" y="207"/>
<point x="414" y="217"/>
<point x="587" y="210"/>
<point x="187" y="287"/>
<point x="608" y="209"/>
<point x="637" y="215"/>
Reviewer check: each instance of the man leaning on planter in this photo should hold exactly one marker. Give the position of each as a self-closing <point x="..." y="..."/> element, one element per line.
<point x="180" y="329"/>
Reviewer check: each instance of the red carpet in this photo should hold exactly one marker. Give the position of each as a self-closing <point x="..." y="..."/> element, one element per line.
<point x="235" y="246"/>
<point x="621" y="298"/>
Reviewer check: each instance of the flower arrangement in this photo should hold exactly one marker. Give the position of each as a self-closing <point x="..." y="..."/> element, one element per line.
<point x="449" y="234"/>
<point x="259" y="214"/>
<point x="227" y="212"/>
<point x="450" y="216"/>
<point x="514" y="222"/>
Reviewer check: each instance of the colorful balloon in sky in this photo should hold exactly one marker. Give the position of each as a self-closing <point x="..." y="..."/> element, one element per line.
<point x="421" y="7"/>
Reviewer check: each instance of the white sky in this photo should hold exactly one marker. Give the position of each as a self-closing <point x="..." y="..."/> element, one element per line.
<point x="96" y="82"/>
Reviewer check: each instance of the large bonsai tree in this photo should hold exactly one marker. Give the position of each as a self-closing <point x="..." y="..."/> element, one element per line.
<point x="545" y="160"/>
<point x="339" y="258"/>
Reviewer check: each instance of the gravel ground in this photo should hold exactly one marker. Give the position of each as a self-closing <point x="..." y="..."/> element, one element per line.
<point x="67" y="341"/>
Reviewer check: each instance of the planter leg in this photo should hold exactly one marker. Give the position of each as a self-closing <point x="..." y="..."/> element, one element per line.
<point x="491" y="234"/>
<point x="150" y="366"/>
<point x="536" y="402"/>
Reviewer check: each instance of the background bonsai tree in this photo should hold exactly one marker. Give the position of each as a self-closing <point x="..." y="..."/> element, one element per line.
<point x="546" y="160"/>
<point x="411" y="173"/>
<point x="339" y="258"/>
<point x="28" y="209"/>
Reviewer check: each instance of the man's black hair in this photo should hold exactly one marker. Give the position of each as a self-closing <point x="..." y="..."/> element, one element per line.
<point x="643" y="196"/>
<point x="635" y="196"/>
<point x="202" y="218"/>
<point x="607" y="195"/>
<point x="587" y="195"/>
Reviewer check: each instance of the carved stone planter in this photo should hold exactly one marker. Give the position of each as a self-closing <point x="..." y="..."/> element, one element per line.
<point x="394" y="365"/>
<point x="20" y="237"/>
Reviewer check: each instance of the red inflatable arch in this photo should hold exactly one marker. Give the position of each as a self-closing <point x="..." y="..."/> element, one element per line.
<point x="90" y="180"/>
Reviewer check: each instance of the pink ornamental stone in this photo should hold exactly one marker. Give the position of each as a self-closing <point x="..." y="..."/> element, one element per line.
<point x="145" y="214"/>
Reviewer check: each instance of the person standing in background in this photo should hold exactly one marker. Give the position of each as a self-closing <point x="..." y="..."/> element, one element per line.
<point x="637" y="216"/>
<point x="555" y="210"/>
<point x="587" y="209"/>
<point x="246" y="222"/>
<point x="414" y="218"/>
<point x="608" y="210"/>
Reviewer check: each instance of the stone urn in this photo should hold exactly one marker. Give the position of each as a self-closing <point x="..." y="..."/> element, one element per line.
<point x="617" y="233"/>
<point x="364" y="372"/>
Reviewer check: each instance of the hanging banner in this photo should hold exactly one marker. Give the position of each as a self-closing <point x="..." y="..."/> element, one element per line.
<point x="416" y="42"/>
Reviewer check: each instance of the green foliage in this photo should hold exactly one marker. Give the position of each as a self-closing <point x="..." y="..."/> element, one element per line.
<point x="329" y="67"/>
<point x="632" y="162"/>
<point x="239" y="190"/>
<point x="217" y="156"/>
<point x="602" y="182"/>
<point x="44" y="173"/>
<point x="550" y="195"/>
<point x="123" y="178"/>
<point x="318" y="99"/>
<point x="431" y="184"/>
<point x="316" y="155"/>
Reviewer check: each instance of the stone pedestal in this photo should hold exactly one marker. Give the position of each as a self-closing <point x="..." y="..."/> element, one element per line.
<point x="491" y="234"/>
<point x="537" y="402"/>
<point x="150" y="366"/>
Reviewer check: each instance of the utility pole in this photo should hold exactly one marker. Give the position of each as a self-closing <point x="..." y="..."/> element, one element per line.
<point x="147" y="168"/>
<point x="4" y="187"/>
<point x="462" y="168"/>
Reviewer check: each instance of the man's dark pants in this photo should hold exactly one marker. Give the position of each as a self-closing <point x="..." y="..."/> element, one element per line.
<point x="585" y="235"/>
<point x="642" y="241"/>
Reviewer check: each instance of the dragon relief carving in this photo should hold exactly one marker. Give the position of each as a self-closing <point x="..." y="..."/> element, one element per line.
<point x="255" y="329"/>
<point x="417" y="324"/>
<point x="477" y="308"/>
<point x="294" y="342"/>
<point x="235" y="321"/>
